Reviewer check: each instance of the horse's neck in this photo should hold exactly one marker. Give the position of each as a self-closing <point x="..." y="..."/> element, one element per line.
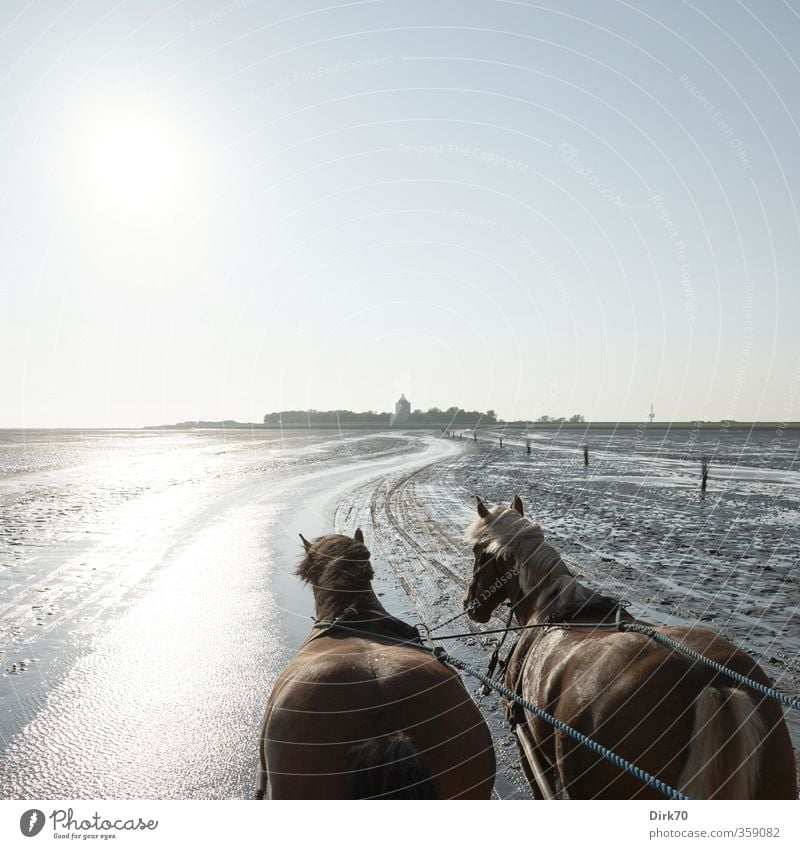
<point x="555" y="590"/>
<point x="330" y="603"/>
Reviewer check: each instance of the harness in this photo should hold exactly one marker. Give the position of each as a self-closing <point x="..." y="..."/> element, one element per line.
<point x="511" y="672"/>
<point x="371" y="624"/>
<point x="379" y="625"/>
<point x="600" y="606"/>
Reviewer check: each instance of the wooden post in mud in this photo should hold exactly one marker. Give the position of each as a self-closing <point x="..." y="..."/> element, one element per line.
<point x="586" y="456"/>
<point x="703" y="475"/>
<point x="528" y="446"/>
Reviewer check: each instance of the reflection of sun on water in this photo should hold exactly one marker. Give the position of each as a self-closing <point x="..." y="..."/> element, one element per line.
<point x="134" y="162"/>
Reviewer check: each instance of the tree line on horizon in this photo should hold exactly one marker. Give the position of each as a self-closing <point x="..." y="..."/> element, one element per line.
<point x="434" y="415"/>
<point x="576" y="419"/>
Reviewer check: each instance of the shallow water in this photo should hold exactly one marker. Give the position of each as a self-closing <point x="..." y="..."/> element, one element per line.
<point x="148" y="601"/>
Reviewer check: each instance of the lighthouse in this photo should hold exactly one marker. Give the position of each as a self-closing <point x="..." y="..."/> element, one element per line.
<point x="652" y="415"/>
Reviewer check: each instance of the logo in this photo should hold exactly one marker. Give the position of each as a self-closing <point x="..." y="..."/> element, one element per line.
<point x="31" y="822"/>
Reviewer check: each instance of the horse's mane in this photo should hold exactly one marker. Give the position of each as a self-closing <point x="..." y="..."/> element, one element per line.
<point x="336" y="562"/>
<point x="509" y="536"/>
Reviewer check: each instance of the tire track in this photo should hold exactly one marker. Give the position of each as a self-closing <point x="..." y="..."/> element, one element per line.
<point x="402" y="497"/>
<point x="393" y="509"/>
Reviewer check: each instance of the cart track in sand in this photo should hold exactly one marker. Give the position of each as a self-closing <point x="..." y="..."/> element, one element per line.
<point x="398" y="513"/>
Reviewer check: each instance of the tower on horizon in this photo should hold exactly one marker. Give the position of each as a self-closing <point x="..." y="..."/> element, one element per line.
<point x="402" y="410"/>
<point x="651" y="415"/>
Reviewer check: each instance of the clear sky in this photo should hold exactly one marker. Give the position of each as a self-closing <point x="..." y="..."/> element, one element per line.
<point x="217" y="209"/>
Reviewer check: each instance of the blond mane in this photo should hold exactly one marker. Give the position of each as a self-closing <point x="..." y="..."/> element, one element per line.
<point x="543" y="575"/>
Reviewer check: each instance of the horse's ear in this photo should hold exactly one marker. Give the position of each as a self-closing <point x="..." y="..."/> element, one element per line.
<point x="358" y="536"/>
<point x="483" y="510"/>
<point x="306" y="543"/>
<point x="516" y="504"/>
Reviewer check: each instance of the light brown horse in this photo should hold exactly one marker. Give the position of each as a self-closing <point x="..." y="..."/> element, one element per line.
<point x="694" y="729"/>
<point x="363" y="711"/>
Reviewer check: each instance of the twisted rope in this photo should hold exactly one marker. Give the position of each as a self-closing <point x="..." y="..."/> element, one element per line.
<point x="642" y="775"/>
<point x="593" y="745"/>
<point x="783" y="698"/>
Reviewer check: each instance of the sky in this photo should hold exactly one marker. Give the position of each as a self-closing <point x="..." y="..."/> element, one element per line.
<point x="213" y="210"/>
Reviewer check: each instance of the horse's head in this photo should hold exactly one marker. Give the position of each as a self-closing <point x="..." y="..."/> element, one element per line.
<point x="495" y="578"/>
<point x="336" y="562"/>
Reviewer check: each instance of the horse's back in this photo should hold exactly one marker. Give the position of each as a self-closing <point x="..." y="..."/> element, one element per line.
<point x="641" y="700"/>
<point x="339" y="694"/>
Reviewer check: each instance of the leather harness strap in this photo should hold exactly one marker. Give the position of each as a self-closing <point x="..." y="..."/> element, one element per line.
<point x="370" y="624"/>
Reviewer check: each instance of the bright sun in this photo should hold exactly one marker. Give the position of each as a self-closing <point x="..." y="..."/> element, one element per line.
<point x="134" y="162"/>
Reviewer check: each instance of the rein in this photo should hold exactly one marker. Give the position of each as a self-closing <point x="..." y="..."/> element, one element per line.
<point x="513" y="604"/>
<point x="379" y="618"/>
<point x="783" y="698"/>
<point x="583" y="739"/>
<point x="564" y="626"/>
<point x="552" y="620"/>
<point x="441" y="654"/>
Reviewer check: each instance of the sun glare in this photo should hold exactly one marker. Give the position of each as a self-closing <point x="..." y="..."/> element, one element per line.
<point x="134" y="162"/>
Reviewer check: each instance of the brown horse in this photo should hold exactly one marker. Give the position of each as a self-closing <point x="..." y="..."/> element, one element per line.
<point x="679" y="720"/>
<point x="363" y="711"/>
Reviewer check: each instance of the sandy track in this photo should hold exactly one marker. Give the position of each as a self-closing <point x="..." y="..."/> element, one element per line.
<point x="408" y="520"/>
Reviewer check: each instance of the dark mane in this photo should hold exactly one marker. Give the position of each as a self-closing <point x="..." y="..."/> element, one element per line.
<point x="336" y="562"/>
<point x="597" y="605"/>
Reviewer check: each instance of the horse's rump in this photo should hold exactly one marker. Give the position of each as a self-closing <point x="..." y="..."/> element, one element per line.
<point x="354" y="718"/>
<point x="363" y="711"/>
<point x="725" y="752"/>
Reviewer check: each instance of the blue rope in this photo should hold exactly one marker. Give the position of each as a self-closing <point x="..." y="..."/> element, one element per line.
<point x="652" y="781"/>
<point x="785" y="699"/>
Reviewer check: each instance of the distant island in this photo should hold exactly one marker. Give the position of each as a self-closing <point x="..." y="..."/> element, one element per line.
<point x="434" y="417"/>
<point x="455" y="418"/>
<point x="450" y="419"/>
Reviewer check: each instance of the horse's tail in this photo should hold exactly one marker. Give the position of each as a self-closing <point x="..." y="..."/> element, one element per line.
<point x="724" y="755"/>
<point x="389" y="768"/>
